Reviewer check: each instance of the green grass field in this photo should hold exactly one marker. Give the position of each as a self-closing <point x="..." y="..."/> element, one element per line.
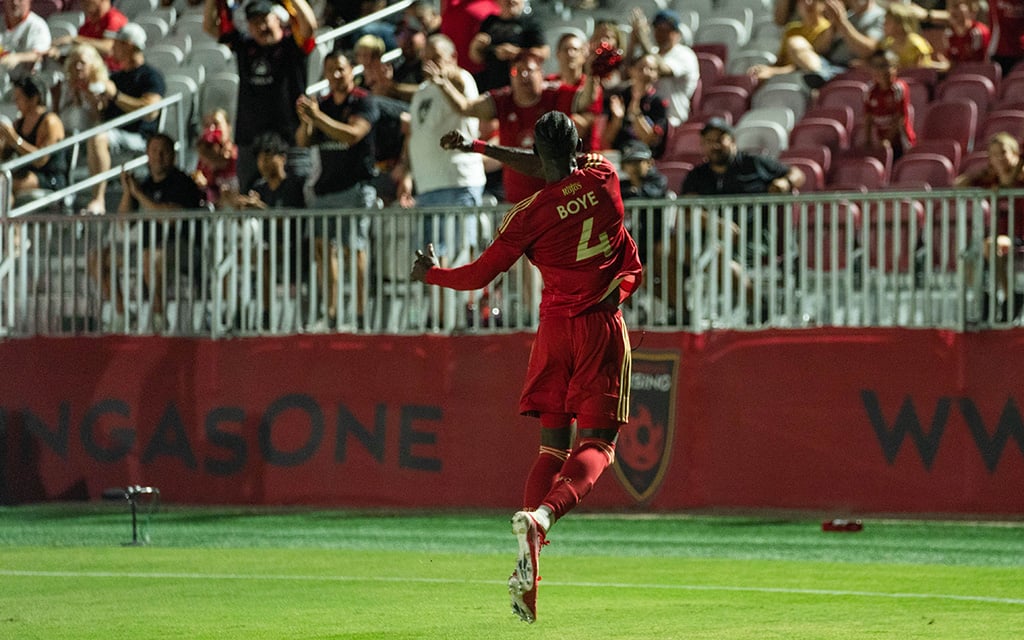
<point x="251" y="574"/>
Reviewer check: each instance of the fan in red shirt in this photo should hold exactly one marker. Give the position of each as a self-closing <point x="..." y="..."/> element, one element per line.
<point x="517" y="108"/>
<point x="887" y="107"/>
<point x="572" y="231"/>
<point x="101" y="19"/>
<point x="967" y="39"/>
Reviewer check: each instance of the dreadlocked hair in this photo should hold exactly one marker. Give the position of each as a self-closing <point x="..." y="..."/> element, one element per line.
<point x="556" y="134"/>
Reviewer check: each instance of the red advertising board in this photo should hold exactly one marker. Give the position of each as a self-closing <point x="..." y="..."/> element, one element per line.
<point x="879" y="420"/>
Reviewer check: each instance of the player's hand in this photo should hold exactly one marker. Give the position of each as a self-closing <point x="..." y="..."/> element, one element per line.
<point x="455" y="141"/>
<point x="423" y="264"/>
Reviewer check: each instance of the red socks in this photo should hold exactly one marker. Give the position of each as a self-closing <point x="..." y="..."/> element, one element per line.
<point x="581" y="470"/>
<point x="542" y="475"/>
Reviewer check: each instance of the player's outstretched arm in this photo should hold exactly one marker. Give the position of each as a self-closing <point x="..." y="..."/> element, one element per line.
<point x="522" y="160"/>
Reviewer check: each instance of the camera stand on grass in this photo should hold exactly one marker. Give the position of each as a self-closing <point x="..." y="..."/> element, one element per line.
<point x="132" y="495"/>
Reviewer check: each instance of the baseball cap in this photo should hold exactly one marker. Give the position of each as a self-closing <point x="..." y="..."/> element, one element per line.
<point x="131" y="33"/>
<point x="635" y="151"/>
<point x="717" y="124"/>
<point x="258" y="8"/>
<point x="668" y="16"/>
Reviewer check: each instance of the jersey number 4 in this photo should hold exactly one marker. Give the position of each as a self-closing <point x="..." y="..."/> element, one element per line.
<point x="586" y="250"/>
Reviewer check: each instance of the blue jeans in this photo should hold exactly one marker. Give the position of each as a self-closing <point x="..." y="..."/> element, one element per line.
<point x="435" y="226"/>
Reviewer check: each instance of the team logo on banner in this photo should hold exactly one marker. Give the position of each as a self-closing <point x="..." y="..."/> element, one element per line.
<point x="644" y="444"/>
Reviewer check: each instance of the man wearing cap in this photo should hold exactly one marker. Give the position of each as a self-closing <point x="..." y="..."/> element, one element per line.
<point x="503" y="37"/>
<point x="272" y="64"/>
<point x="135" y="86"/>
<point x="678" y="68"/>
<point x="101" y="19"/>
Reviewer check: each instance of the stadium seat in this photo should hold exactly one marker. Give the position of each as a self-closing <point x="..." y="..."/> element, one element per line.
<point x="739" y="11"/>
<point x="927" y="76"/>
<point x="717" y="48"/>
<point x="761" y="137"/>
<point x="809" y="132"/>
<point x="742" y="60"/>
<point x="156" y="28"/>
<point x="842" y="114"/>
<point x="822" y="156"/>
<point x="780" y="93"/>
<point x="858" y="170"/>
<point x="987" y="68"/>
<point x="949" y="119"/>
<point x="942" y="146"/>
<point x="974" y="161"/>
<point x="219" y="91"/>
<point x="728" y="31"/>
<point x="712" y="68"/>
<point x="782" y="115"/>
<point x="165" y="57"/>
<point x="214" y="57"/>
<point x="682" y="143"/>
<point x="725" y="101"/>
<point x="840" y="93"/>
<point x="1008" y="120"/>
<point x="189" y="90"/>
<point x="676" y="172"/>
<point x="914" y="169"/>
<point x="964" y="86"/>
<point x="814" y="175"/>
<point x="135" y="9"/>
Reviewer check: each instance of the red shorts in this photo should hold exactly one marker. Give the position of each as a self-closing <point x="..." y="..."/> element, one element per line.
<point x="580" y="366"/>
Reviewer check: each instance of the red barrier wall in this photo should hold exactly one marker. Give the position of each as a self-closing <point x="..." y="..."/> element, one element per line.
<point x="861" y="420"/>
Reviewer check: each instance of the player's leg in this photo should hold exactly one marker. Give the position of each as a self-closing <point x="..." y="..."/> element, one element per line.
<point x="555" y="441"/>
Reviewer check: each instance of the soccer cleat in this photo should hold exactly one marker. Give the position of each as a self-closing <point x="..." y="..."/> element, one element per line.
<point x="524" y="603"/>
<point x="522" y="586"/>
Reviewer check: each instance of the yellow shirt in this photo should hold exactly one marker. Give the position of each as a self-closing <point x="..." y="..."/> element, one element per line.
<point x="914" y="51"/>
<point x="810" y="32"/>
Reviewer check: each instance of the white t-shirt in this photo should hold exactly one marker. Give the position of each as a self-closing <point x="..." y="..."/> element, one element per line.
<point x="432" y="115"/>
<point x="31" y="34"/>
<point x="679" y="87"/>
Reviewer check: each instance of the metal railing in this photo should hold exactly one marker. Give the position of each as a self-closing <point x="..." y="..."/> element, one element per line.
<point x="906" y="259"/>
<point x="6" y="169"/>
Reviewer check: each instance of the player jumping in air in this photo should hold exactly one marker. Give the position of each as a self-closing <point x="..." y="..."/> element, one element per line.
<point x="579" y="368"/>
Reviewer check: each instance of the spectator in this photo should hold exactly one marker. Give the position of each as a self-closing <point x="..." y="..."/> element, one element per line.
<point x="1006" y="21"/>
<point x="803" y="41"/>
<point x="517" y="108"/>
<point x="637" y="112"/>
<point x="967" y="38"/>
<point x="421" y="20"/>
<point x="571" y="52"/>
<point x="102" y="20"/>
<point x="368" y="53"/>
<point x="859" y="26"/>
<point x="642" y="180"/>
<point x="678" y="69"/>
<point x="135" y="86"/>
<point x="272" y="76"/>
<point x="460" y="21"/>
<point x="275" y="189"/>
<point x="729" y="171"/>
<point x="83" y="91"/>
<point x="460" y="179"/>
<point x="25" y="40"/>
<point x="217" y="167"/>
<point x="902" y="35"/>
<point x="340" y="126"/>
<point x="607" y="32"/>
<point x="502" y="37"/>
<point x="37" y="128"/>
<point x="1005" y="170"/>
<point x="165" y="188"/>
<point x="383" y="29"/>
<point x="887" y="120"/>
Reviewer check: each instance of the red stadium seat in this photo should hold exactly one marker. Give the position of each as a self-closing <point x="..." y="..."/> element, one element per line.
<point x="949" y="119"/>
<point x="712" y="67"/>
<point x="942" y="146"/>
<point x="848" y="93"/>
<point x="859" y="169"/>
<point x="814" y="175"/>
<point x="964" y="86"/>
<point x="676" y="172"/>
<point x="809" y="132"/>
<point x="725" y="101"/>
<point x="819" y="154"/>
<point x="915" y="169"/>
<point x="1009" y="120"/>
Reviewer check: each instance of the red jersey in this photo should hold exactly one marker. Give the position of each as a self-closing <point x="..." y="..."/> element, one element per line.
<point x="112" y="20"/>
<point x="572" y="230"/>
<point x="886" y="107"/>
<point x="970" y="46"/>
<point x="515" y="129"/>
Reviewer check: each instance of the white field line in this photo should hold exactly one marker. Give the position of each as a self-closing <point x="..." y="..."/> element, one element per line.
<point x="15" y="573"/>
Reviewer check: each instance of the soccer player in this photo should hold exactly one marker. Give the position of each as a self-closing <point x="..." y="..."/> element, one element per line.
<point x="572" y="230"/>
